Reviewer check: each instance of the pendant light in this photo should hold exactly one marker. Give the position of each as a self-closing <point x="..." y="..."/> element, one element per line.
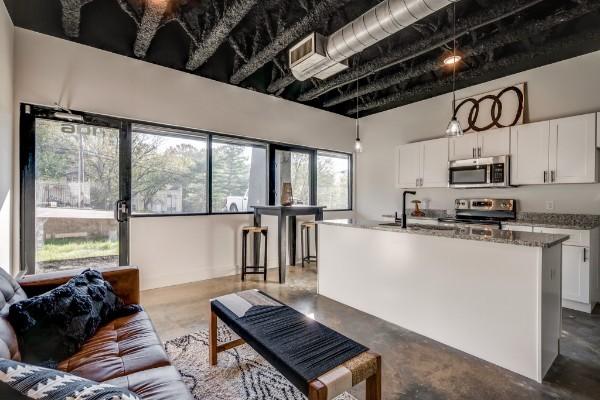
<point x="454" y="129"/>
<point x="357" y="144"/>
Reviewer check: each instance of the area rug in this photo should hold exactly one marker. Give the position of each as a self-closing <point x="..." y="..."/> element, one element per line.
<point x="240" y="374"/>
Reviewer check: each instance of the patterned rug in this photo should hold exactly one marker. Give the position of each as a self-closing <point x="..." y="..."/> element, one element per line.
<point x="241" y="373"/>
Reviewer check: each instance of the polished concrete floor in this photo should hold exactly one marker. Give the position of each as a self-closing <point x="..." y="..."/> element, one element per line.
<point x="414" y="367"/>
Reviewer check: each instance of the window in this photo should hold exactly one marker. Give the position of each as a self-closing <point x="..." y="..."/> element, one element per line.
<point x="333" y="180"/>
<point x="239" y="175"/>
<point x="168" y="171"/>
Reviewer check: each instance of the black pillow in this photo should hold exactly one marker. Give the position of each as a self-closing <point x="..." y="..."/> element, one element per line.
<point x="53" y="326"/>
<point x="23" y="381"/>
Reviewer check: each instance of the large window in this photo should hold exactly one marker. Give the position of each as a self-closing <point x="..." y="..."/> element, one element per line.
<point x="239" y="175"/>
<point x="333" y="180"/>
<point x="168" y="171"/>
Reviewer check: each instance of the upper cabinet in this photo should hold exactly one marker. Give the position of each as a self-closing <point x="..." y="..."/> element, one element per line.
<point x="573" y="149"/>
<point x="529" y="153"/>
<point x="490" y="143"/>
<point x="423" y="164"/>
<point x="557" y="151"/>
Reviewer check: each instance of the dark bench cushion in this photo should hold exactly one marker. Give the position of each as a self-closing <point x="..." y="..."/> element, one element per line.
<point x="300" y="348"/>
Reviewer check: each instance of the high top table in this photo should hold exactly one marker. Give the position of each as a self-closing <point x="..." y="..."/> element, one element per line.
<point x="282" y="213"/>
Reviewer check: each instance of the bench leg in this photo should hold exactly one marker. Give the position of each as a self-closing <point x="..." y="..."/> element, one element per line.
<point x="317" y="390"/>
<point x="374" y="383"/>
<point x="212" y="339"/>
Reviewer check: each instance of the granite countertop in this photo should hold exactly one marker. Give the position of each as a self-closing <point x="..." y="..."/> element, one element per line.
<point x="486" y="235"/>
<point x="542" y="220"/>
<point x="559" y="221"/>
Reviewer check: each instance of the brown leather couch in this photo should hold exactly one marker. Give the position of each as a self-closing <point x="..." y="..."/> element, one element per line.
<point x="125" y="352"/>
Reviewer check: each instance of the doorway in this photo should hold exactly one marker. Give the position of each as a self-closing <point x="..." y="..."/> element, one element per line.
<point x="74" y="191"/>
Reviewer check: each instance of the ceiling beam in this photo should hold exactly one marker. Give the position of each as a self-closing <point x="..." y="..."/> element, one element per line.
<point x="154" y="12"/>
<point x="513" y="34"/>
<point x="466" y="78"/>
<point x="320" y="12"/>
<point x="205" y="48"/>
<point x="71" y="16"/>
<point x="499" y="11"/>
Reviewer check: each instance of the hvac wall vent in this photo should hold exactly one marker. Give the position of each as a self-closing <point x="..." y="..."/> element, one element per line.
<point x="308" y="58"/>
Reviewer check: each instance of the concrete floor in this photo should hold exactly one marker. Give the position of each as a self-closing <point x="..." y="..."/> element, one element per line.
<point x="414" y="367"/>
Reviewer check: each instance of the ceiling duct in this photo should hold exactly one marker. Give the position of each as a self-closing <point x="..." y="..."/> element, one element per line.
<point x="323" y="58"/>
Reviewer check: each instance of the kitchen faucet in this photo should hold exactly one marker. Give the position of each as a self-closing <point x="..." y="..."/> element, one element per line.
<point x="404" y="207"/>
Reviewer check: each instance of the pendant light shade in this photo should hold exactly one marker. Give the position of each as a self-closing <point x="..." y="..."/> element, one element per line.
<point x="357" y="143"/>
<point x="454" y="129"/>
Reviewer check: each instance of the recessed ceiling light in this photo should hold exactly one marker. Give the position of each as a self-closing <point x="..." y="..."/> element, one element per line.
<point x="453" y="59"/>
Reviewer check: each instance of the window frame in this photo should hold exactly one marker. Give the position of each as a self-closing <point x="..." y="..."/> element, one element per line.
<point x="271" y="146"/>
<point x="350" y="177"/>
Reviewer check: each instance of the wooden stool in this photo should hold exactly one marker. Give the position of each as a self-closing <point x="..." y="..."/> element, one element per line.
<point x="305" y="228"/>
<point x="254" y="269"/>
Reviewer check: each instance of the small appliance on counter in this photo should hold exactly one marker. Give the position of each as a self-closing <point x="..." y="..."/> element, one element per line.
<point x="485" y="213"/>
<point x="490" y="172"/>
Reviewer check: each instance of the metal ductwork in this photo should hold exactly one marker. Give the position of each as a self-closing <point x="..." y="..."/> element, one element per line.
<point x="380" y="22"/>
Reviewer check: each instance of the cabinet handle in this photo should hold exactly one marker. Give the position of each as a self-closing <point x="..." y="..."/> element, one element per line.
<point x="585" y="256"/>
<point x="545" y="176"/>
<point x="479" y="152"/>
<point x="474" y="153"/>
<point x="552" y="176"/>
<point x="417" y="182"/>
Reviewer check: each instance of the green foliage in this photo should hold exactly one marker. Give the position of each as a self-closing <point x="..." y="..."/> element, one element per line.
<point x="72" y="249"/>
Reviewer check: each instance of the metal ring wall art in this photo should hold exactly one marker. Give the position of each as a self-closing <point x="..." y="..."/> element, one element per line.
<point x="495" y="110"/>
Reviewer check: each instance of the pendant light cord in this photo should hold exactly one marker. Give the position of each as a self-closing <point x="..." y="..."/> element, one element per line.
<point x="453" y="59"/>
<point x="357" y="134"/>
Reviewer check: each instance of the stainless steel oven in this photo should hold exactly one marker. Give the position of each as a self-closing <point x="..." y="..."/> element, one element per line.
<point x="480" y="172"/>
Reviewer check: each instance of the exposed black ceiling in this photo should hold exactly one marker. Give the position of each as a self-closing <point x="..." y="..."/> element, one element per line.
<point x="244" y="42"/>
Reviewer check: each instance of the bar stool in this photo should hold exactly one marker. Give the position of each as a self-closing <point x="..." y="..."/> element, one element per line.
<point x="305" y="229"/>
<point x="254" y="269"/>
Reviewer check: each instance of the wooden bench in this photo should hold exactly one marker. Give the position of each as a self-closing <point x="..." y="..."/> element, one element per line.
<point x="337" y="366"/>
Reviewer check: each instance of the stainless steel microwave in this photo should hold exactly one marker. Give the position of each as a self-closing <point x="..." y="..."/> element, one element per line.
<point x="487" y="172"/>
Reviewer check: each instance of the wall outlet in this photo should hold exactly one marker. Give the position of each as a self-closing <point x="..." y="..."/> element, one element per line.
<point x="550" y="205"/>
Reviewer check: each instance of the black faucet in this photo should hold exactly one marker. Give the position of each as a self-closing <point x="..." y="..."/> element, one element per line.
<point x="404" y="207"/>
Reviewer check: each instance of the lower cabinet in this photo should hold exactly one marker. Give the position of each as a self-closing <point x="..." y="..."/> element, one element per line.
<point x="580" y="265"/>
<point x="576" y="274"/>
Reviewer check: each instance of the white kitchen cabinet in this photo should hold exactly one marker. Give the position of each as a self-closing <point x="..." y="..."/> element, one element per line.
<point x="557" y="151"/>
<point x="495" y="142"/>
<point x="434" y="163"/>
<point x="408" y="169"/>
<point x="573" y="149"/>
<point x="580" y="267"/>
<point x="463" y="147"/>
<point x="423" y="164"/>
<point x="529" y="147"/>
<point x="576" y="274"/>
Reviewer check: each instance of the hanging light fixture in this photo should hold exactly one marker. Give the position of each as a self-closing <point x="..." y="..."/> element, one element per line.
<point x="454" y="129"/>
<point x="357" y="144"/>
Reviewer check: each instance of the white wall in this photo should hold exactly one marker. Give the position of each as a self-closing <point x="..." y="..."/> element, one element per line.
<point x="169" y="250"/>
<point x="6" y="134"/>
<point x="566" y="88"/>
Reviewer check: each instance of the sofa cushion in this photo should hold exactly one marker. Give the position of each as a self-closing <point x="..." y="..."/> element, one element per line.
<point x="10" y="293"/>
<point x="124" y="346"/>
<point x="163" y="383"/>
<point x="53" y="326"/>
<point x="32" y="382"/>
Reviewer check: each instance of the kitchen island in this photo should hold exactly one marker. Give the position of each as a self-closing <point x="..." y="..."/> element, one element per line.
<point x="490" y="293"/>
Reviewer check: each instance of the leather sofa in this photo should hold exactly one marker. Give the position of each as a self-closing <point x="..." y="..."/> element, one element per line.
<point x="126" y="352"/>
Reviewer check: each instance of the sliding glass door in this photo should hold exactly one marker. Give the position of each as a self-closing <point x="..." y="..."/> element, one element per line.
<point x="74" y="193"/>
